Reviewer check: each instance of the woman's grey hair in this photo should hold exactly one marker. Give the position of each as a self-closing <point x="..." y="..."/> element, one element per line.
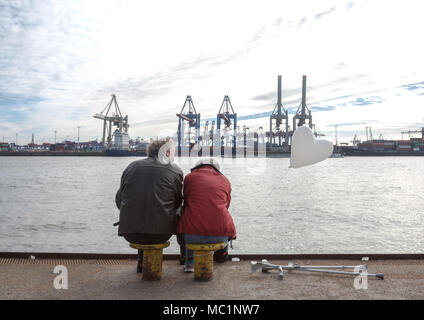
<point x="154" y="146"/>
<point x="210" y="161"/>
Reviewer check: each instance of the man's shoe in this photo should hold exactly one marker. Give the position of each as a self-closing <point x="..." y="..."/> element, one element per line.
<point x="189" y="268"/>
<point x="140" y="261"/>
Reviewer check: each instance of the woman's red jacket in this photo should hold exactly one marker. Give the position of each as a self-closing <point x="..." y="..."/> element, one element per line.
<point x="207" y="197"/>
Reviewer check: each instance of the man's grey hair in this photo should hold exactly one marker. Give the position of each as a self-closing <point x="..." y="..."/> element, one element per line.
<point x="154" y="146"/>
<point x="210" y="161"/>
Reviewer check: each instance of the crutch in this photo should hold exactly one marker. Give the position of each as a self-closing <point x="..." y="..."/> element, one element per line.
<point x="265" y="265"/>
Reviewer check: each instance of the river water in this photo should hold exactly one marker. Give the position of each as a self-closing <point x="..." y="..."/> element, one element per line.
<point x="341" y="205"/>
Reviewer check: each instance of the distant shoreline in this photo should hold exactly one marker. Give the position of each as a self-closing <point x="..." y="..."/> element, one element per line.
<point x="103" y="154"/>
<point x="51" y="154"/>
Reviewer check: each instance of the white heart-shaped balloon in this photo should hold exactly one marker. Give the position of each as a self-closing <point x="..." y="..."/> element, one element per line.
<point x="307" y="150"/>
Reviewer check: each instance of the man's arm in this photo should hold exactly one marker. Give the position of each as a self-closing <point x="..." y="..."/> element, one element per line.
<point x="118" y="199"/>
<point x="178" y="192"/>
<point x="118" y="193"/>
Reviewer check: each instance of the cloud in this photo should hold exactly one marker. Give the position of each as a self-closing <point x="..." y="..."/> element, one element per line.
<point x="350" y="5"/>
<point x="60" y="61"/>
<point x="327" y="12"/>
<point x="362" y="101"/>
<point x="13" y="100"/>
<point x="302" y="21"/>
<point x="271" y="96"/>
<point x="348" y="124"/>
<point x="324" y="108"/>
<point x="289" y="92"/>
<point x="414" y="86"/>
<point x="15" y="107"/>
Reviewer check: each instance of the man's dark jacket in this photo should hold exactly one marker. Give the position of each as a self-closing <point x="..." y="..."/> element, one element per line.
<point x="148" y="198"/>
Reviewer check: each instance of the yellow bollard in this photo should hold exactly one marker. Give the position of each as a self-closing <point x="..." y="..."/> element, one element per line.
<point x="152" y="259"/>
<point x="203" y="259"/>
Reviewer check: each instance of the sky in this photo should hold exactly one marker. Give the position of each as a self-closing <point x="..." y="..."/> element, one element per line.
<point x="60" y="61"/>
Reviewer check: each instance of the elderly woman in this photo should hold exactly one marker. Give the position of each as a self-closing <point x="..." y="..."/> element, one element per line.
<point x="205" y="217"/>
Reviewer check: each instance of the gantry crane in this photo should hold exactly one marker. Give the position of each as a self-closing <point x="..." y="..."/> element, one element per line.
<point x="410" y="132"/>
<point x="278" y="114"/>
<point x="188" y="115"/>
<point x="355" y="140"/>
<point x="205" y="135"/>
<point x="207" y="138"/>
<point x="115" y="119"/>
<point x="227" y="114"/>
<point x="303" y="113"/>
<point x="316" y="133"/>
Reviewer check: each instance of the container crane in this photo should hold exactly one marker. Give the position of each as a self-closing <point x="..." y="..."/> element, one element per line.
<point x="205" y="135"/>
<point x="190" y="116"/>
<point x="227" y="114"/>
<point x="316" y="133"/>
<point x="355" y="140"/>
<point x="411" y="132"/>
<point x="303" y="113"/>
<point x="279" y="114"/>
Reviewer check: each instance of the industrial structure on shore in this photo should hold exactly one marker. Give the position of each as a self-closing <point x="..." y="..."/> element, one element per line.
<point x="118" y="142"/>
<point x="382" y="147"/>
<point x="238" y="142"/>
<point x="223" y="136"/>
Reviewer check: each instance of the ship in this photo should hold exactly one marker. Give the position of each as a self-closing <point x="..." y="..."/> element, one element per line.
<point x="382" y="147"/>
<point x="125" y="153"/>
<point x="121" y="146"/>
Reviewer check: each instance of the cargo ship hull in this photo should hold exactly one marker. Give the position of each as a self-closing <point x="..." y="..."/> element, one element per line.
<point x="382" y="147"/>
<point x="124" y="153"/>
<point x="351" y="151"/>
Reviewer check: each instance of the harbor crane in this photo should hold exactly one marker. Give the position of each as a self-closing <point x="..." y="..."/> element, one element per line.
<point x="355" y="140"/>
<point x="211" y="137"/>
<point x="303" y="113"/>
<point x="205" y="136"/>
<point x="190" y="116"/>
<point x="316" y="133"/>
<point x="369" y="134"/>
<point x="211" y="132"/>
<point x="279" y="114"/>
<point x="113" y="119"/>
<point x="411" y="132"/>
<point x="227" y="114"/>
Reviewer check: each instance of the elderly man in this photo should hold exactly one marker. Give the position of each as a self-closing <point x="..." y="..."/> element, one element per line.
<point x="205" y="217"/>
<point x="149" y="197"/>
